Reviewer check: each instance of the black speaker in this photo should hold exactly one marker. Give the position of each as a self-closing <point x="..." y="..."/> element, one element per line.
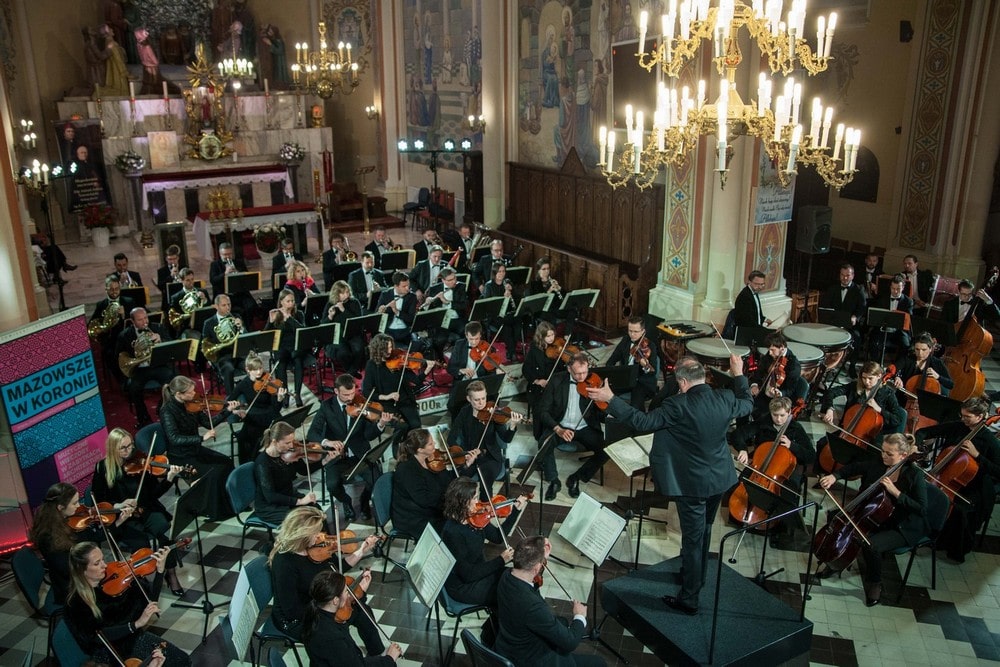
<point x="905" y="31"/>
<point x="813" y="229"/>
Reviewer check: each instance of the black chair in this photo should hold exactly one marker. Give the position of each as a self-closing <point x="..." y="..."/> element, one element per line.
<point x="480" y="655"/>
<point x="989" y="515"/>
<point x="65" y="646"/>
<point x="412" y="208"/>
<point x="382" y="507"/>
<point x="29" y="573"/>
<point x="240" y="487"/>
<point x="456" y="610"/>
<point x="937" y="514"/>
<point x="258" y="574"/>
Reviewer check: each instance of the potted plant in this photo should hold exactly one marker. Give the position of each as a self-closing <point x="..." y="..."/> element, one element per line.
<point x="267" y="238"/>
<point x="99" y="219"/>
<point x="291" y="153"/>
<point x="129" y="162"/>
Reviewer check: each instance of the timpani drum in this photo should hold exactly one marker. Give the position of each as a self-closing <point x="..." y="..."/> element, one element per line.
<point x="713" y="353"/>
<point x="809" y="357"/>
<point x="833" y="341"/>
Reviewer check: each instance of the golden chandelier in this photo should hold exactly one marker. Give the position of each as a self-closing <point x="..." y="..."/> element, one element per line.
<point x="324" y="72"/>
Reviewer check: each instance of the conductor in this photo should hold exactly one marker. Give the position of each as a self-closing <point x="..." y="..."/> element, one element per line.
<point x="690" y="460"/>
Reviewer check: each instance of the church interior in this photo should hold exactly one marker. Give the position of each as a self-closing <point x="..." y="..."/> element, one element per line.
<point x="575" y="134"/>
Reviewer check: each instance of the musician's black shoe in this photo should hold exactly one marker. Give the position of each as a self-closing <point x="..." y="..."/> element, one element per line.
<point x="298" y="400"/>
<point x="348" y="513"/>
<point x="675" y="604"/>
<point x="827" y="572"/>
<point x="873" y="593"/>
<point x="69" y="267"/>
<point x="554" y="486"/>
<point x="573" y="486"/>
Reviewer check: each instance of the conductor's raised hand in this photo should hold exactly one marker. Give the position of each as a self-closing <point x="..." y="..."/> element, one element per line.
<point x="602" y="393"/>
<point x="735" y="364"/>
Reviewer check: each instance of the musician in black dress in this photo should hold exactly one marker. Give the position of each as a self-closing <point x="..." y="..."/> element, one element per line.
<point x="764" y="383"/>
<point x="637" y="349"/>
<point x="260" y="408"/>
<point x="542" y="283"/>
<point x="292" y="572"/>
<point x="396" y="390"/>
<point x="469" y="433"/>
<point x="922" y="362"/>
<point x="965" y="520"/>
<point x="498" y="286"/>
<point x="908" y="493"/>
<point x="538" y="368"/>
<point x="122" y="620"/>
<point x="474" y="579"/>
<point x="328" y="642"/>
<point x="286" y="319"/>
<point x="349" y="353"/>
<point x="417" y="491"/>
<point x="275" y="470"/>
<point x="148" y="518"/>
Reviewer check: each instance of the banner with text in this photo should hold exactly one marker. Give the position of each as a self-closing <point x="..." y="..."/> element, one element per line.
<point x="51" y="405"/>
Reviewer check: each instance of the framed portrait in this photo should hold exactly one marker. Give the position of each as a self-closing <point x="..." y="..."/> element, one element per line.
<point x="163" y="150"/>
<point x="349" y="21"/>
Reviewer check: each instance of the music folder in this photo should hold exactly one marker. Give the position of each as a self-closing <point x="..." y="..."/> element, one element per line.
<point x="236" y="283"/>
<point x="258" y="341"/>
<point x="173" y="351"/>
<point x="371" y="324"/>
<point x="580" y="298"/>
<point x="316" y="306"/>
<point x="429" y="320"/>
<point x="884" y="318"/>
<point x="308" y="338"/>
<point x="837" y="318"/>
<point x="139" y="295"/>
<point x="296" y="417"/>
<point x="479" y="253"/>
<point x="536" y="303"/>
<point x="518" y="275"/>
<point x="490" y="308"/>
<point x="398" y="260"/>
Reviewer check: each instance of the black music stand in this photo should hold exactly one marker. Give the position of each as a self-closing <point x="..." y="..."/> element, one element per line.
<point x="341" y="271"/>
<point x="237" y="283"/>
<point x="173" y="351"/>
<point x="937" y="407"/>
<point x="429" y="320"/>
<point x="886" y="320"/>
<point x="479" y="253"/>
<point x="396" y="260"/>
<point x="719" y="379"/>
<point x="316" y="308"/>
<point x="373" y="457"/>
<point x="364" y="326"/>
<point x="580" y="298"/>
<point x="296" y="417"/>
<point x="518" y="275"/>
<point x="621" y="379"/>
<point x="943" y="332"/>
<point x="139" y="295"/>
<point x="317" y="338"/>
<point x="770" y="503"/>
<point x="487" y="309"/>
<point x="751" y="336"/>
<point x="534" y="304"/>
<point x="259" y="341"/>
<point x="189" y="507"/>
<point x="456" y="399"/>
<point x="200" y="316"/>
<point x="837" y="318"/>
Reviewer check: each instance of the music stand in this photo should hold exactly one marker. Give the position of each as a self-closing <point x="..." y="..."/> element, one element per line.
<point x="341" y="271"/>
<point x="309" y="338"/>
<point x="544" y="448"/>
<point x="139" y="295"/>
<point x="534" y="304"/>
<point x="429" y="320"/>
<point x="315" y="307"/>
<point x="237" y="283"/>
<point x="837" y="318"/>
<point x="937" y="407"/>
<point x="621" y="379"/>
<point x="580" y="298"/>
<point x="279" y="281"/>
<point x="751" y="336"/>
<point x="943" y="332"/>
<point x="296" y="417"/>
<point x="885" y="320"/>
<point x="720" y="379"/>
<point x="373" y="457"/>
<point x="845" y="453"/>
<point x="200" y="316"/>
<point x="488" y="309"/>
<point x="771" y="504"/>
<point x="173" y="351"/>
<point x="479" y="253"/>
<point x="259" y="341"/>
<point x="518" y="275"/>
<point x="398" y="260"/>
<point x="189" y="507"/>
<point x="370" y="324"/>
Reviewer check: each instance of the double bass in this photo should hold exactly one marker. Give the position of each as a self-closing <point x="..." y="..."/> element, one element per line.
<point x="974" y="343"/>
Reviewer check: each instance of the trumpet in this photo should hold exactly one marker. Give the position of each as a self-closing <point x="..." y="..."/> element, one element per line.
<point x="389" y="245"/>
<point x="109" y="320"/>
<point x="142" y="350"/>
<point x="226" y="331"/>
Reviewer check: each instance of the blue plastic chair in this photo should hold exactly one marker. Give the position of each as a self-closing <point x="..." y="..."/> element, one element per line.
<point x="240" y="489"/>
<point x="29" y="573"/>
<point x="68" y="652"/>
<point x="382" y="507"/>
<point x="259" y="575"/>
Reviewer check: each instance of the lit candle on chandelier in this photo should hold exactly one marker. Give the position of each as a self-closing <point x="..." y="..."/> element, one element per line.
<point x="603" y="139"/>
<point x="611" y="149"/>
<point x="643" y="24"/>
<point x="793" y="148"/>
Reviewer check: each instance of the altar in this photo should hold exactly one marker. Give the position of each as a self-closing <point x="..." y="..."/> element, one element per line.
<point x="204" y="175"/>
<point x="208" y="232"/>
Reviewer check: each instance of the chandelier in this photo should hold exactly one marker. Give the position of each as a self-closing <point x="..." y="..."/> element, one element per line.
<point x="679" y="121"/>
<point x="324" y="72"/>
<point x="236" y="69"/>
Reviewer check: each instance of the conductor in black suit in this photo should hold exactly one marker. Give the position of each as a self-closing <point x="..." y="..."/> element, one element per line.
<point x="332" y="425"/>
<point x="367" y="281"/>
<point x="530" y="634"/>
<point x="690" y="460"/>
<point x="748" y="312"/>
<point x="955" y="310"/>
<point x="571" y="417"/>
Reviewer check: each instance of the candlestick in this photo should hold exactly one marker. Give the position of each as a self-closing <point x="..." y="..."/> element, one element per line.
<point x="131" y="90"/>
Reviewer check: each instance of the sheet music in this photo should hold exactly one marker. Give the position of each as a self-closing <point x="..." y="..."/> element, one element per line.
<point x="429" y="566"/>
<point x="243" y="613"/>
<point x="592" y="528"/>
<point x="631" y="454"/>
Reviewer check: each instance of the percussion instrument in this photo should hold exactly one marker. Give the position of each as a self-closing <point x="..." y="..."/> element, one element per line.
<point x="675" y="334"/>
<point x="833" y="341"/>
<point x="713" y="353"/>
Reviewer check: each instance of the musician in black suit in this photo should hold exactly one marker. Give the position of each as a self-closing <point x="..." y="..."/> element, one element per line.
<point x="168" y="273"/>
<point x="748" y="312"/>
<point x="396" y="390"/>
<point x="637" y="349"/>
<point x="127" y="278"/>
<point x="367" y="281"/>
<point x="873" y="269"/>
<point x="188" y="294"/>
<point x="220" y="268"/>
<point x="279" y="263"/>
<point x="954" y="310"/>
<point x="224" y="362"/>
<point x="334" y="256"/>
<point x="401" y="307"/>
<point x="896" y="301"/>
<point x="465" y="241"/>
<point x="461" y="366"/>
<point x="484" y="267"/>
<point x="142" y="373"/>
<point x="121" y="306"/>
<point x="848" y="297"/>
<point x="571" y="417"/>
<point x="921" y="281"/>
<point x="469" y="433"/>
<point x="423" y="247"/>
<point x="331" y="427"/>
<point x="530" y="634"/>
<point x="450" y="293"/>
<point x="763" y="383"/>
<point x="690" y="460"/>
<point x="381" y="243"/>
<point x="427" y="272"/>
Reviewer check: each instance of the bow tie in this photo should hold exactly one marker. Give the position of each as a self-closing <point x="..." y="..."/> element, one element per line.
<point x="966" y="303"/>
<point x="894" y="299"/>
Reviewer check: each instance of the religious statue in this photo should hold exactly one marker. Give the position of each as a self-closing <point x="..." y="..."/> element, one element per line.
<point x="273" y="61"/>
<point x="116" y="74"/>
<point x="92" y="56"/>
<point x="151" y="79"/>
<point x="171" y="48"/>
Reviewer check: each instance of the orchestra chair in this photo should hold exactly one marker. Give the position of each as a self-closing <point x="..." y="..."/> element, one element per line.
<point x="29" y="573"/>
<point x="480" y="654"/>
<point x="412" y="208"/>
<point x="382" y="508"/>
<point x="937" y="514"/>
<point x="64" y="645"/>
<point x="240" y="488"/>
<point x="258" y="575"/>
<point x="452" y="609"/>
<point x="989" y="515"/>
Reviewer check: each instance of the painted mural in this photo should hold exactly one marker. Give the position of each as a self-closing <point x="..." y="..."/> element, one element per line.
<point x="443" y="55"/>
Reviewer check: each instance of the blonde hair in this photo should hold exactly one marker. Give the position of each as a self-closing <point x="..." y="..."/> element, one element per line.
<point x="253" y="362"/>
<point x="336" y="290"/>
<point x="906" y="443"/>
<point x="113" y="469"/>
<point x="297" y="530"/>
<point x="294" y="266"/>
<point x="79" y="561"/>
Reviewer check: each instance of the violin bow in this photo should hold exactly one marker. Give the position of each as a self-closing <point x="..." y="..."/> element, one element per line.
<point x="558" y="359"/>
<point x="111" y="649"/>
<point x="724" y="341"/>
<point x="847" y="516"/>
<point x="208" y="410"/>
<point x="439" y="441"/>
<point x="547" y="568"/>
<point x="402" y="371"/>
<point x="336" y="527"/>
<point x="145" y="468"/>
<point x="493" y="508"/>
<point x="370" y="618"/>
<point x="489" y="348"/>
<point x="117" y="550"/>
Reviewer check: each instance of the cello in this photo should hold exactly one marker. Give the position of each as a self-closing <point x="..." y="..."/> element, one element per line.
<point x="773" y="465"/>
<point x="974" y="343"/>
<point x="863" y="424"/>
<point x="955" y="467"/>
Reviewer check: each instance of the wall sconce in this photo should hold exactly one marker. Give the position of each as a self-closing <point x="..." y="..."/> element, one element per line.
<point x="477" y="124"/>
<point x="371" y="111"/>
<point x="30" y="139"/>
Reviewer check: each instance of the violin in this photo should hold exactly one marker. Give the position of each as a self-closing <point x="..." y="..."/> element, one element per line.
<point x="499" y="507"/>
<point x="372" y="413"/>
<point x="120" y="574"/>
<point x="326" y="545"/>
<point x="640" y="350"/>
<point x="593" y="381"/>
<point x="314" y="452"/>
<point x="85" y="516"/>
<point x="158" y="466"/>
<point x="343" y="614"/>
<point x="558" y="349"/>
<point x="215" y="402"/>
<point x="139" y="662"/>
<point x="776" y="374"/>
<point x="497" y="415"/>
<point x="453" y="458"/>
<point x="484" y="355"/>
<point x="399" y="359"/>
<point x="268" y="383"/>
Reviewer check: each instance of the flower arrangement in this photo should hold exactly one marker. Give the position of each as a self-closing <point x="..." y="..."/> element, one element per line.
<point x="291" y="152"/>
<point x="98" y="216"/>
<point x="129" y="162"/>
<point x="267" y="237"/>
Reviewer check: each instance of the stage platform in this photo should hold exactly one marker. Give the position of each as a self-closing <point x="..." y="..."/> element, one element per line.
<point x="754" y="627"/>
